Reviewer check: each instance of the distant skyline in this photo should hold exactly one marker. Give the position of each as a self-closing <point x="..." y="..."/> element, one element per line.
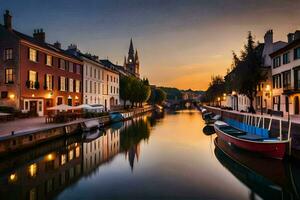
<point x="181" y="43"/>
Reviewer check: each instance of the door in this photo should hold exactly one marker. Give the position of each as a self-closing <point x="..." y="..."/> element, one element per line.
<point x="70" y="102"/>
<point x="33" y="107"/>
<point x="296" y="102"/>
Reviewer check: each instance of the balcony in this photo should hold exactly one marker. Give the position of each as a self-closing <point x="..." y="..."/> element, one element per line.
<point x="289" y="89"/>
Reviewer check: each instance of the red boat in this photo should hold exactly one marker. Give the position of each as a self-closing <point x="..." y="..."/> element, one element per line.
<point x="268" y="147"/>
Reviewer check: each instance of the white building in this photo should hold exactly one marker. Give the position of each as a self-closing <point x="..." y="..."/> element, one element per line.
<point x="286" y="76"/>
<point x="111" y="88"/>
<point x="263" y="100"/>
<point x="100" y="83"/>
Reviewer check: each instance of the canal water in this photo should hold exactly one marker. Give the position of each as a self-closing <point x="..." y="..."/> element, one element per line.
<point x="150" y="157"/>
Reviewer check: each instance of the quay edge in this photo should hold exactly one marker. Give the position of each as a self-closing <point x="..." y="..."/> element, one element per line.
<point x="29" y="139"/>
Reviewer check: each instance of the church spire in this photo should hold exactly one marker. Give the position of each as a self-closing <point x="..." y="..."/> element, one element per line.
<point x="131" y="50"/>
<point x="136" y="57"/>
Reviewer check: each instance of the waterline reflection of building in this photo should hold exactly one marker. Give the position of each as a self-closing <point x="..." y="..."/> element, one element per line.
<point x="101" y="150"/>
<point x="43" y="177"/>
<point x="44" y="172"/>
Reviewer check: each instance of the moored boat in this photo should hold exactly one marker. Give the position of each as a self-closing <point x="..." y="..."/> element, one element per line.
<point x="262" y="145"/>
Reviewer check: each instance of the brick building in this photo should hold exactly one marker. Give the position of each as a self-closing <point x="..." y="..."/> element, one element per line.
<point x="35" y="75"/>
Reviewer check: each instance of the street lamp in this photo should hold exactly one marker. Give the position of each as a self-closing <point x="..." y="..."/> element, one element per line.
<point x="219" y="100"/>
<point x="237" y="100"/>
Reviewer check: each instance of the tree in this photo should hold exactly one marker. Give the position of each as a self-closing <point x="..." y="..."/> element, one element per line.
<point x="160" y="96"/>
<point x="215" y="89"/>
<point x="248" y="73"/>
<point x="125" y="88"/>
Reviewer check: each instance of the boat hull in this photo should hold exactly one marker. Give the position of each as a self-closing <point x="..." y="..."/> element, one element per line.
<point x="274" y="149"/>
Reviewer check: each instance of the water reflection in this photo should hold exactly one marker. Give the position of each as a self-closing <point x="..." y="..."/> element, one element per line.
<point x="208" y="130"/>
<point x="265" y="178"/>
<point x="44" y="172"/>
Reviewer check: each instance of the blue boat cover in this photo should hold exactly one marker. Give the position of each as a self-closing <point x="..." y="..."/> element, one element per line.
<point x="263" y="133"/>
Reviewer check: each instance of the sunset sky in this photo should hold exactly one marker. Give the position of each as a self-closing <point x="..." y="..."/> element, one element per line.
<point x="181" y="43"/>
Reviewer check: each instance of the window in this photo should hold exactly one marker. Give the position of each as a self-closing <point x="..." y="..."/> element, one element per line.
<point x="77" y="86"/>
<point x="91" y="86"/>
<point x="62" y="64"/>
<point x="8" y="54"/>
<point x="71" y="87"/>
<point x="277" y="81"/>
<point x="276" y="61"/>
<point x="297" y="53"/>
<point x="95" y="87"/>
<point x="78" y="69"/>
<point x="286" y="58"/>
<point x="48" y="60"/>
<point x="110" y="89"/>
<point x="62" y="83"/>
<point x="95" y="73"/>
<point x="71" y="66"/>
<point x="9" y="76"/>
<point x="49" y="82"/>
<point x="33" y="55"/>
<point x="287" y="79"/>
<point x="63" y="159"/>
<point x="32" y="79"/>
<point x="99" y="88"/>
<point x="4" y="94"/>
<point x="297" y="78"/>
<point x="86" y="86"/>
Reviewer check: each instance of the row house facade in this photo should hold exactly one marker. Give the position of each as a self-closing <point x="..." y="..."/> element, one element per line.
<point x="100" y="83"/>
<point x="286" y="76"/>
<point x="35" y="75"/>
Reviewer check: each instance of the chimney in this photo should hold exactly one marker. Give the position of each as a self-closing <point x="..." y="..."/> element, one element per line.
<point x="268" y="39"/>
<point x="39" y="35"/>
<point x="297" y="35"/>
<point x="57" y="44"/>
<point x="290" y="37"/>
<point x="72" y="47"/>
<point x="7" y="20"/>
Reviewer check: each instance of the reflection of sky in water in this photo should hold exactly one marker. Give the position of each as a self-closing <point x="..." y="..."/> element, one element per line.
<point x="177" y="161"/>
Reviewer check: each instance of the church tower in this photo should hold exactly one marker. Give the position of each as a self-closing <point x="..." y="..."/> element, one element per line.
<point x="132" y="62"/>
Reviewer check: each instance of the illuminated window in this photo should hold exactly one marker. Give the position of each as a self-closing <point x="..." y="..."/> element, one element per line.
<point x="71" y="88"/>
<point x="77" y="152"/>
<point x="77" y="86"/>
<point x="33" y="56"/>
<point x="32" y="79"/>
<point x="49" y="60"/>
<point x="8" y="54"/>
<point x="9" y="76"/>
<point x="32" y="170"/>
<point x="63" y="159"/>
<point x="62" y="83"/>
<point x="78" y="69"/>
<point x="71" y="155"/>
<point x="49" y="82"/>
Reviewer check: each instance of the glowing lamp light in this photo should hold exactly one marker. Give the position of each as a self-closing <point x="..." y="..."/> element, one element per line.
<point x="233" y="93"/>
<point x="219" y="99"/>
<point x="49" y="95"/>
<point x="76" y="97"/>
<point x="69" y="97"/>
<point x="50" y="157"/>
<point x="268" y="88"/>
<point x="12" y="96"/>
<point x="224" y="95"/>
<point x="32" y="170"/>
<point x="33" y="95"/>
<point x="12" y="177"/>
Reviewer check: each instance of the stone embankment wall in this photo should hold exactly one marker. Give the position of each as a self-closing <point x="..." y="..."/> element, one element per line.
<point x="13" y="143"/>
<point x="263" y="121"/>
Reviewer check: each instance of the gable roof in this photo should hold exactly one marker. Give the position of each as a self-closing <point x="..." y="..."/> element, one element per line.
<point x="285" y="48"/>
<point x="42" y="44"/>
